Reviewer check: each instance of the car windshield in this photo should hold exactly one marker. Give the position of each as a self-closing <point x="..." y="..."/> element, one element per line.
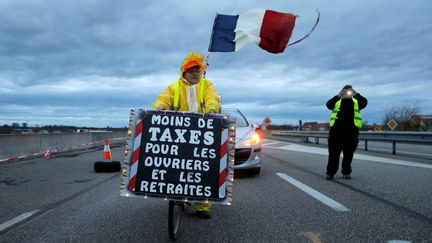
<point x="241" y="120"/>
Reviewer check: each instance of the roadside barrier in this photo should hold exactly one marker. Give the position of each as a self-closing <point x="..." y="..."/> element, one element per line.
<point x="423" y="138"/>
<point x="21" y="147"/>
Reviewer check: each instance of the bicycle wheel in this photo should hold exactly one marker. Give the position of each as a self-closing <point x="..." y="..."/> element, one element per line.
<point x="174" y="218"/>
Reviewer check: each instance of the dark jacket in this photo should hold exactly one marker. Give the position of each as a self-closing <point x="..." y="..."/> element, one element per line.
<point x="344" y="125"/>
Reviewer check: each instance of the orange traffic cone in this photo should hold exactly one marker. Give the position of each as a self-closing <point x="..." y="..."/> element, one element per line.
<point x="106" y="156"/>
<point x="47" y="154"/>
<point x="107" y="165"/>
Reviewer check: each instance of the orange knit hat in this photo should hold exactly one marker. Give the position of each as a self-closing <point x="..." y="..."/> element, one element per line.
<point x="192" y="60"/>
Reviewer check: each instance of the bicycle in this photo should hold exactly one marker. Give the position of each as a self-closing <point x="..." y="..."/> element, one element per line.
<point x="145" y="174"/>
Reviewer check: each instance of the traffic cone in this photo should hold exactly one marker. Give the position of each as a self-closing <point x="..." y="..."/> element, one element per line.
<point x="106" y="156"/>
<point x="47" y="154"/>
<point x="107" y="165"/>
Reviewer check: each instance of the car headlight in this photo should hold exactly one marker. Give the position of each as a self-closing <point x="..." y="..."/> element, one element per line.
<point x="255" y="139"/>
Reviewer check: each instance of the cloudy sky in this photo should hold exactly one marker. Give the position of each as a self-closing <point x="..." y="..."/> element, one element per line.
<point x="86" y="63"/>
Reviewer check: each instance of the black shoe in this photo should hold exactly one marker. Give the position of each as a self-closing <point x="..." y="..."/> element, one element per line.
<point x="203" y="214"/>
<point x="329" y="177"/>
<point x="346" y="177"/>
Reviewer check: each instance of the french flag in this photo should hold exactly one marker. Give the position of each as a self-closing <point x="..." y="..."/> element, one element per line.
<point x="269" y="29"/>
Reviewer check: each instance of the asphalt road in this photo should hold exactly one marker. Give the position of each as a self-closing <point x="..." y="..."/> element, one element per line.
<point x="61" y="199"/>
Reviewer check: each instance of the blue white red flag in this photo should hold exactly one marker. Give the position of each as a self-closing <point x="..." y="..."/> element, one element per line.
<point x="269" y="29"/>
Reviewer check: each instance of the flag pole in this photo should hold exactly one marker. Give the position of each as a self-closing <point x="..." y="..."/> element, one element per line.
<point x="206" y="65"/>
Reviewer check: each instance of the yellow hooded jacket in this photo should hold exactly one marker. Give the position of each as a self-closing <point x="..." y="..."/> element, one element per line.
<point x="166" y="99"/>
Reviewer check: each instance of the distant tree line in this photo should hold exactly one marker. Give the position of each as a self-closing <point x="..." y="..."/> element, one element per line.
<point x="406" y="116"/>
<point x="408" y="119"/>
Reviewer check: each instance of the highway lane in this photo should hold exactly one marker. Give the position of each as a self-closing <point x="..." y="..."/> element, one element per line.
<point x="377" y="196"/>
<point x="71" y="203"/>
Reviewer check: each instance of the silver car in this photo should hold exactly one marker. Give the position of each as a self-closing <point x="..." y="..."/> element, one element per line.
<point x="248" y="143"/>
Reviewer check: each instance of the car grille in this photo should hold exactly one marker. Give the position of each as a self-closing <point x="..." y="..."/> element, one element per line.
<point x="242" y="155"/>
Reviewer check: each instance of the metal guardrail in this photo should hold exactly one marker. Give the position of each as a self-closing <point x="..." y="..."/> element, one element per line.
<point x="424" y="138"/>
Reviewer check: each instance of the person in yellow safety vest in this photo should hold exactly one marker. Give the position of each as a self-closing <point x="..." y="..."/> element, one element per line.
<point x="191" y="93"/>
<point x="345" y="122"/>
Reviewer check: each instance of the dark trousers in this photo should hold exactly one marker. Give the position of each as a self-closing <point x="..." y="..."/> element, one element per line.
<point x="336" y="145"/>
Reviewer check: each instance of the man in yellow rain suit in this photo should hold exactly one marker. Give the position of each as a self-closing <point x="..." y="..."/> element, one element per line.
<point x="191" y="93"/>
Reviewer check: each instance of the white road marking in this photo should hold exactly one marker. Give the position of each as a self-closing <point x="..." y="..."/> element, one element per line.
<point x="16" y="220"/>
<point x="324" y="151"/>
<point x="399" y="241"/>
<point x="316" y="194"/>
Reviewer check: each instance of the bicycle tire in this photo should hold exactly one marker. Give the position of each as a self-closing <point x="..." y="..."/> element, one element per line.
<point x="175" y="210"/>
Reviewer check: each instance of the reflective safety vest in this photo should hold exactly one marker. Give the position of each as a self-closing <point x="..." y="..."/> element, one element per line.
<point x="200" y="95"/>
<point x="357" y="115"/>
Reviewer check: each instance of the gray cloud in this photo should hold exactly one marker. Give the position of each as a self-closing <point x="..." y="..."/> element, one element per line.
<point x="88" y="63"/>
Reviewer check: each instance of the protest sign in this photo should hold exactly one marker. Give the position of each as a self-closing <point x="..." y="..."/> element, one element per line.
<point x="181" y="155"/>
